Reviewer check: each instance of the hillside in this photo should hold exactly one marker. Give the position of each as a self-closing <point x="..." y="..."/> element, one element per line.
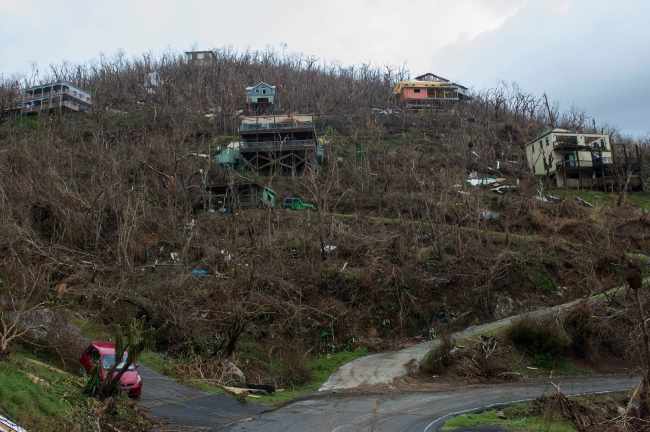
<point x="90" y="203"/>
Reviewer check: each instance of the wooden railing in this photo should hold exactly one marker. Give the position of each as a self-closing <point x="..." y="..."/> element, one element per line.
<point x="28" y="97"/>
<point x="275" y="126"/>
<point x="54" y="104"/>
<point x="278" y="144"/>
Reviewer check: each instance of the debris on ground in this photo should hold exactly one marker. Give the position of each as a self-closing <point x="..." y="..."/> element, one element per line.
<point x="502" y="189"/>
<point x="474" y="180"/>
<point x="584" y="203"/>
<point x="242" y="392"/>
<point x="200" y="272"/>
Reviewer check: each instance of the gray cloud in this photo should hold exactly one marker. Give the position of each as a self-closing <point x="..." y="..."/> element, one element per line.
<point x="590" y="54"/>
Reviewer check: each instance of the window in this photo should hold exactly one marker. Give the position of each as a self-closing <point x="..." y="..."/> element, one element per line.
<point x="547" y="142"/>
<point x="263" y="91"/>
<point x="93" y="354"/>
<point x="199" y="56"/>
<point x="572" y="176"/>
<point x="416" y="90"/>
<point x="540" y="146"/>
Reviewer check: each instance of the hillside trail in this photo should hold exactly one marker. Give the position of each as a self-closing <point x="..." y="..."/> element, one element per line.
<point x="383" y="368"/>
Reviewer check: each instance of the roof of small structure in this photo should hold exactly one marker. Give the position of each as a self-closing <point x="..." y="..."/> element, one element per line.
<point x="418" y="78"/>
<point x="560" y="131"/>
<point x="262" y="82"/>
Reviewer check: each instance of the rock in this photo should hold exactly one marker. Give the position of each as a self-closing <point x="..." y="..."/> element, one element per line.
<point x="231" y="373"/>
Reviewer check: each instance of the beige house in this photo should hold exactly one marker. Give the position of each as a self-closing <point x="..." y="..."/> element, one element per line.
<point x="582" y="160"/>
<point x="573" y="159"/>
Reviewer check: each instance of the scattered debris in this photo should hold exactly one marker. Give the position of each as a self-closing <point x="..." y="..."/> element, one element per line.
<point x="502" y="189"/>
<point x="37" y="380"/>
<point x="463" y="193"/>
<point x="329" y="248"/>
<point x="175" y="256"/>
<point x="540" y="198"/>
<point x="489" y="214"/>
<point x="172" y="266"/>
<point x="584" y="203"/>
<point x="474" y="180"/>
<point x="261" y="388"/>
<point x="9" y="426"/>
<point x="243" y="392"/>
<point x="52" y="368"/>
<point x="200" y="272"/>
<point x="555" y="198"/>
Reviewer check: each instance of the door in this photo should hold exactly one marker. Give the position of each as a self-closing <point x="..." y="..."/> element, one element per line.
<point x="569" y="160"/>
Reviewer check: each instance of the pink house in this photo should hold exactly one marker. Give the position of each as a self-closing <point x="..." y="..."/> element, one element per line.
<point x="428" y="91"/>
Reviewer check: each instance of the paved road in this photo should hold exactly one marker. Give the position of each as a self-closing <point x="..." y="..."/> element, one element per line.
<point x="189" y="409"/>
<point x="423" y="412"/>
<point x="385" y="367"/>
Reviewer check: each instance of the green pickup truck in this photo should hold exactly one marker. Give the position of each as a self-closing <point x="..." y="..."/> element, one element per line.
<point x="296" y="204"/>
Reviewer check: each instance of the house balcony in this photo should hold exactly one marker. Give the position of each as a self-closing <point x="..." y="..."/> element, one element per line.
<point x="34" y="96"/>
<point x="430" y="103"/>
<point x="275" y="126"/>
<point x="575" y="165"/>
<point x="277" y="145"/>
<point x="46" y="105"/>
<point x="608" y="166"/>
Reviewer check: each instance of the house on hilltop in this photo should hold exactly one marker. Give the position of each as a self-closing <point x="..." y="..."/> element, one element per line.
<point x="199" y="58"/>
<point x="260" y="98"/>
<point x="581" y="160"/>
<point x="280" y="143"/>
<point x="428" y="91"/>
<point x="55" y="96"/>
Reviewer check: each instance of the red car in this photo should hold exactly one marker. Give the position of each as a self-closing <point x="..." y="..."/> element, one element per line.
<point x="102" y="354"/>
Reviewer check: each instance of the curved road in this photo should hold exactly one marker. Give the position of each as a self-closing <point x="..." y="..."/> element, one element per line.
<point x="423" y="412"/>
<point x="184" y="408"/>
<point x="385" y="367"/>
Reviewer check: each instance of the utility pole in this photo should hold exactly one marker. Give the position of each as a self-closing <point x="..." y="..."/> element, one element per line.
<point x="548" y="108"/>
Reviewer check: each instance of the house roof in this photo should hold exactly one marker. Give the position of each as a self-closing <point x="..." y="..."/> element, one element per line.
<point x="418" y="78"/>
<point x="560" y="131"/>
<point x="255" y="86"/>
<point x="421" y="78"/>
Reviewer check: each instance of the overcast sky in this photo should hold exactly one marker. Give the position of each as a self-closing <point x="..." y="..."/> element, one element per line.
<point x="594" y="54"/>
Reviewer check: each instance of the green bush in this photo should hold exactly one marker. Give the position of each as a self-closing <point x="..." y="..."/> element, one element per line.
<point x="440" y="357"/>
<point x="543" y="280"/>
<point x="541" y="338"/>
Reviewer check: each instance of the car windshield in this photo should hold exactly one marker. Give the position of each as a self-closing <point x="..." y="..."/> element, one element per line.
<point x="109" y="359"/>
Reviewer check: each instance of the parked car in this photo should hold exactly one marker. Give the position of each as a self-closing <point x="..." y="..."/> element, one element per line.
<point x="296" y="204"/>
<point x="102" y="355"/>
